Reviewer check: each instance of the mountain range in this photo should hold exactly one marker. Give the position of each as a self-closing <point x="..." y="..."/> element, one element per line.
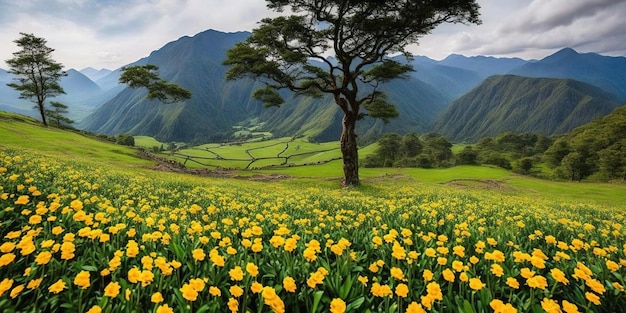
<point x="464" y="98"/>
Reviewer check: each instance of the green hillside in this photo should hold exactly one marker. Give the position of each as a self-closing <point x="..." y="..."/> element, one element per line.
<point x="546" y="106"/>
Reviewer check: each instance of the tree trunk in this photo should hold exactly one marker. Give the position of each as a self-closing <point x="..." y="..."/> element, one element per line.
<point x="349" y="151"/>
<point x="42" y="112"/>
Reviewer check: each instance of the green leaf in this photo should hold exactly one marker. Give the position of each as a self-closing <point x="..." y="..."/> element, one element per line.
<point x="355" y="304"/>
<point x="317" y="296"/>
<point x="89" y="268"/>
<point x="467" y="307"/>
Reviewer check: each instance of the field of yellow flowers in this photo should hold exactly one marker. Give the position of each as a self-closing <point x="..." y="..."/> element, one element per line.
<point x="79" y="238"/>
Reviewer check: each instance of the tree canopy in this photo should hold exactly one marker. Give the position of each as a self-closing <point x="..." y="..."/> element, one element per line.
<point x="36" y="72"/>
<point x="292" y="52"/>
<point x="147" y="76"/>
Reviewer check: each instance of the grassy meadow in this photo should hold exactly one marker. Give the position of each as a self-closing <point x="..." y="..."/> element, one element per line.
<point x="87" y="227"/>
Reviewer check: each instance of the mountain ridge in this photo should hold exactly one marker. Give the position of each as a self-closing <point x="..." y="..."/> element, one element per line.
<point x="548" y="106"/>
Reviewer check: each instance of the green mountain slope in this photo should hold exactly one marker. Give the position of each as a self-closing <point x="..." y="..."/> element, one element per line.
<point x="217" y="105"/>
<point x="512" y="103"/>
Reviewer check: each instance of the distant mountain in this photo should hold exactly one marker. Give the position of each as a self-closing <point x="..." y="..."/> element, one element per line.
<point x="95" y="74"/>
<point x="217" y="105"/>
<point x="520" y="104"/>
<point x="598" y="70"/>
<point x="482" y="65"/>
<point x="449" y="80"/>
<point x="76" y="83"/>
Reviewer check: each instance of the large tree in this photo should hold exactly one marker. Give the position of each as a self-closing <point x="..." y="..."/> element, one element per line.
<point x="36" y="72"/>
<point x="291" y="52"/>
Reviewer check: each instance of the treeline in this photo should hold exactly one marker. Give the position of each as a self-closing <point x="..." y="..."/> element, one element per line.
<point x="595" y="151"/>
<point x="411" y="150"/>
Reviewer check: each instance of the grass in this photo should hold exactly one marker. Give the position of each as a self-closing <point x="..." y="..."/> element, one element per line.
<point x="28" y="134"/>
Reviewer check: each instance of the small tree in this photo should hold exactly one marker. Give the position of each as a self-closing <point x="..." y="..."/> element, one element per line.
<point x="36" y="72"/>
<point x="575" y="166"/>
<point x="467" y="156"/>
<point x="58" y="113"/>
<point x="361" y="35"/>
<point x="147" y="76"/>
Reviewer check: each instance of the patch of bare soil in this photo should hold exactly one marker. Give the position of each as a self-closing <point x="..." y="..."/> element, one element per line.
<point x="470" y="183"/>
<point x="389" y="177"/>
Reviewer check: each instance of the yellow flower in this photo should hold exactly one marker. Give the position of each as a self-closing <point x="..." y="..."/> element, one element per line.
<point x="373" y="268"/>
<point x="537" y="262"/>
<point x="550" y="306"/>
<point x="198" y="254"/>
<point x="592" y="297"/>
<point x="197" y="284"/>
<point x="7" y="259"/>
<point x="236" y="273"/>
<point x="497" y="270"/>
<point x="559" y="276"/>
<point x="22" y="199"/>
<point x="188" y="292"/>
<point x="164" y="309"/>
<point x="82" y="280"/>
<point x="34" y="283"/>
<point x="430" y="252"/>
<point x="463" y="277"/>
<point x="235" y="291"/>
<point x="527" y="273"/>
<point x="569" y="307"/>
<point x="233" y="305"/>
<point x="112" y="289"/>
<point x="57" y="287"/>
<point x="434" y="291"/>
<point x="415" y="307"/>
<point x="252" y="269"/>
<point x="146" y="278"/>
<point x="5" y="285"/>
<point x="428" y="275"/>
<point x="473" y="259"/>
<point x="16" y="291"/>
<point x="7" y="247"/>
<point x="379" y="290"/>
<point x="214" y="291"/>
<point x="156" y="297"/>
<point x="512" y="282"/>
<point x="476" y="284"/>
<point x="363" y="280"/>
<point x="459" y="251"/>
<point x="537" y="282"/>
<point x="500" y="307"/>
<point x="134" y="275"/>
<point x="457" y="266"/>
<point x="611" y="265"/>
<point x="402" y="290"/>
<point x="95" y="309"/>
<point x="397" y="273"/>
<point x="448" y="275"/>
<point x="337" y="306"/>
<point x="595" y="285"/>
<point x="289" y="284"/>
<point x="256" y="287"/>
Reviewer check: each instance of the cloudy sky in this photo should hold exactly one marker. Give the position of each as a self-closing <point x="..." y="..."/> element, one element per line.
<point x="112" y="33"/>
